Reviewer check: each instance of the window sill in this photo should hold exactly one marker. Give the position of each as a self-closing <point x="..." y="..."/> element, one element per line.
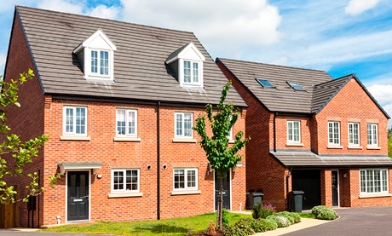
<point x="186" y="192"/>
<point x="116" y="195"/>
<point x="375" y="195"/>
<point x="75" y="138"/>
<point x="355" y="147"/>
<point x="294" y="144"/>
<point x="231" y="141"/>
<point x="334" y="147"/>
<point x="126" y="139"/>
<point x="183" y="140"/>
<point x="373" y="148"/>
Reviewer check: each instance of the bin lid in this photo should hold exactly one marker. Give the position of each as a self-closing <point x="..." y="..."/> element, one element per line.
<point x="258" y="194"/>
<point x="297" y="192"/>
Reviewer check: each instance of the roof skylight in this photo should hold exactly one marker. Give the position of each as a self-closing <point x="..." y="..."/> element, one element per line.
<point x="264" y="83"/>
<point x="296" y="86"/>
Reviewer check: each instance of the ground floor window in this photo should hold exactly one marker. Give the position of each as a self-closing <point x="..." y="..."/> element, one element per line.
<point x="185" y="179"/>
<point x="374" y="181"/>
<point x="125" y="180"/>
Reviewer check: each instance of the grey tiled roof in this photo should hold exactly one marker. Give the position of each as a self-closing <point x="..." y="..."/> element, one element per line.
<point x="281" y="98"/>
<point x="140" y="71"/>
<point x="310" y="159"/>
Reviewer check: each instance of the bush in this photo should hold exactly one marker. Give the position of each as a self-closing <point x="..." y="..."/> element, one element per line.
<point x="297" y="217"/>
<point x="286" y="214"/>
<point x="263" y="210"/>
<point x="268" y="224"/>
<point x="324" y="213"/>
<point x="280" y="220"/>
<point x="241" y="228"/>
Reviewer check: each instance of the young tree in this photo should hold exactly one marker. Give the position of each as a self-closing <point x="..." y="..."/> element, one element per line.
<point x="220" y="155"/>
<point x="390" y="142"/>
<point x="15" y="153"/>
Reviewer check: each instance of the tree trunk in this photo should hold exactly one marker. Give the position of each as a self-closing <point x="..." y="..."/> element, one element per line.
<point x="220" y="204"/>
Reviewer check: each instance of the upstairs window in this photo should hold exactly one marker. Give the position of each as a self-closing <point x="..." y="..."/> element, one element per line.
<point x="75" y="121"/>
<point x="100" y="62"/>
<point x="353" y="134"/>
<point x="183" y="125"/>
<point x="296" y="86"/>
<point x="293" y="131"/>
<point x="372" y="135"/>
<point x="333" y="133"/>
<point x="126" y="121"/>
<point x="96" y="56"/>
<point x="265" y="83"/>
<point x="186" y="64"/>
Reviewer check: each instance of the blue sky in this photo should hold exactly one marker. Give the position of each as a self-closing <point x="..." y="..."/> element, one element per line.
<point x="340" y="37"/>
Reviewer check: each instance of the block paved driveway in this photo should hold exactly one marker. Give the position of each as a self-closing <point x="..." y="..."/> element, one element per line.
<point x="373" y="221"/>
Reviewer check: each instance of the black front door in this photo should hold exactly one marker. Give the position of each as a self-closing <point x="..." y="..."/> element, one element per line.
<point x="335" y="201"/>
<point x="226" y="191"/>
<point x="78" y="202"/>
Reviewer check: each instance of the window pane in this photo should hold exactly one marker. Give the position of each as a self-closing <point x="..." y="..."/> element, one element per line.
<point x="330" y="132"/>
<point x="296" y="131"/>
<point x="369" y="134"/>
<point x="132" y="180"/>
<point x="104" y="63"/>
<point x="82" y="186"/>
<point x="195" y="72"/>
<point x="191" y="178"/>
<point x="384" y="181"/>
<point x="187" y="125"/>
<point x="369" y="181"/>
<point x="179" y="179"/>
<point x="187" y="71"/>
<point x="363" y="181"/>
<point x="80" y="120"/>
<point x="121" y="122"/>
<point x="118" y="180"/>
<point x="69" y="120"/>
<point x="179" y="124"/>
<point x="131" y="122"/>
<point x="290" y="131"/>
<point x="94" y="62"/>
<point x="374" y="136"/>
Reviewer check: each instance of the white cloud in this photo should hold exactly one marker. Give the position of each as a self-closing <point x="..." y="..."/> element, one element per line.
<point x="3" y="58"/>
<point x="356" y="7"/>
<point x="382" y="93"/>
<point x="218" y="24"/>
<point x="103" y="11"/>
<point x="62" y="5"/>
<point x="388" y="109"/>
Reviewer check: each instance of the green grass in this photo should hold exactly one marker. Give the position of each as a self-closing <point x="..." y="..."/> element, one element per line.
<point x="178" y="226"/>
<point x="307" y="215"/>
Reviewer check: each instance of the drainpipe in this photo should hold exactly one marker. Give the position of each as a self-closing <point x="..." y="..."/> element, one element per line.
<point x="275" y="131"/>
<point x="158" y="163"/>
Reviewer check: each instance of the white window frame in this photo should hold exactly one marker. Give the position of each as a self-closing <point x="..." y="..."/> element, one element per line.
<point x="99" y="63"/>
<point x="333" y="133"/>
<point x="186" y="181"/>
<point x="292" y="135"/>
<point x="73" y="133"/>
<point x="124" y="190"/>
<point x="368" y="181"/>
<point x="372" y="135"/>
<point x="352" y="127"/>
<point x="183" y="136"/>
<point x="182" y="72"/>
<point x="126" y="114"/>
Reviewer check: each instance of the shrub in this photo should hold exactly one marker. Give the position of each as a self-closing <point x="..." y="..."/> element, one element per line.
<point x="288" y="215"/>
<point x="297" y="217"/>
<point x="268" y="224"/>
<point x="225" y="217"/>
<point x="241" y="228"/>
<point x="317" y="209"/>
<point x="327" y="215"/>
<point x="263" y="210"/>
<point x="324" y="213"/>
<point x="211" y="229"/>
<point x="280" y="220"/>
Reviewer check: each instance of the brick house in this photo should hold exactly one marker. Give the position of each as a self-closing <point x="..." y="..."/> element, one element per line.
<point x="118" y="102"/>
<point x="312" y="133"/>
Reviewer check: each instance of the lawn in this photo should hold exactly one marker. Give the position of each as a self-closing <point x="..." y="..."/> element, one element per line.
<point x="178" y="226"/>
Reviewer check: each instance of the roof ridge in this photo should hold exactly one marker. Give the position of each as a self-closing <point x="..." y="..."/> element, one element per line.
<point x="332" y="80"/>
<point x="268" y="64"/>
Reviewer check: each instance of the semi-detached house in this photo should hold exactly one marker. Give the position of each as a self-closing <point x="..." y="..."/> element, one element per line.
<point x="118" y="102"/>
<point x="312" y="133"/>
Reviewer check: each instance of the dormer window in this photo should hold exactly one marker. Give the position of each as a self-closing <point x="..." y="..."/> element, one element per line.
<point x="96" y="56"/>
<point x="187" y="65"/>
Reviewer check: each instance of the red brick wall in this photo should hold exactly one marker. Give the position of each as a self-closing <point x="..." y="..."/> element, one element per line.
<point x="28" y="120"/>
<point x="281" y="133"/>
<point x="358" y="107"/>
